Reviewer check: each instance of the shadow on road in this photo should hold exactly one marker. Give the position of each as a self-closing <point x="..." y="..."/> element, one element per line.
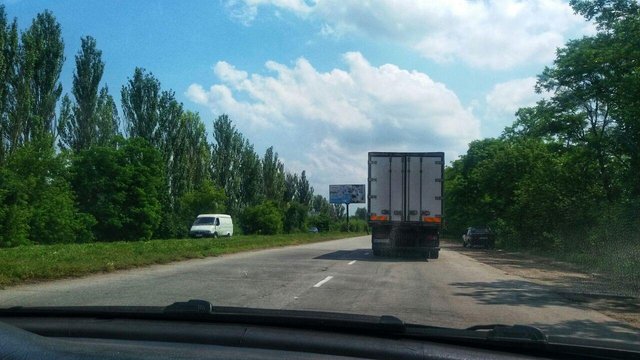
<point x="510" y="292"/>
<point x="588" y="329"/>
<point x="367" y="255"/>
<point x="525" y="293"/>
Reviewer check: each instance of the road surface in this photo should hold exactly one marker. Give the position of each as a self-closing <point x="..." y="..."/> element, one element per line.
<point x="341" y="276"/>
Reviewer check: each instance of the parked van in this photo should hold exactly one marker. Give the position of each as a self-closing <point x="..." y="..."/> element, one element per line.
<point x="212" y="225"/>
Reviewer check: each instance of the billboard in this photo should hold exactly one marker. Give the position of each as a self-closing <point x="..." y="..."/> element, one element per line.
<point x="346" y="194"/>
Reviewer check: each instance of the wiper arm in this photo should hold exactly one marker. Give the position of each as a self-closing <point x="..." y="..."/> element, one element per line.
<point x="499" y="332"/>
<point x="517" y="333"/>
<point x="204" y="310"/>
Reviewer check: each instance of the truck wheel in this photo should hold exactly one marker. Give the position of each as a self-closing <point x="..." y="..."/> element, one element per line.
<point x="377" y="252"/>
<point x="434" y="254"/>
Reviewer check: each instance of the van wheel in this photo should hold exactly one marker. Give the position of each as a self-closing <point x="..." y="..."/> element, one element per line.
<point x="228" y="234"/>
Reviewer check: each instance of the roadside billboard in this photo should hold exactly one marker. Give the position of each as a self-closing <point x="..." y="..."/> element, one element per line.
<point x="347" y="194"/>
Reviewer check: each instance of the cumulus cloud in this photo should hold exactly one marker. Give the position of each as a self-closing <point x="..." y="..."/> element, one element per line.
<point x="508" y="97"/>
<point x="325" y="122"/>
<point x="495" y="34"/>
<point x="504" y="99"/>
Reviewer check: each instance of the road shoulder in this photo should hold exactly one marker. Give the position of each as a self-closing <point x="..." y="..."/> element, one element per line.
<point x="593" y="291"/>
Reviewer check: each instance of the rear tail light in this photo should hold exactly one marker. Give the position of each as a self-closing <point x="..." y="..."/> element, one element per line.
<point x="379" y="217"/>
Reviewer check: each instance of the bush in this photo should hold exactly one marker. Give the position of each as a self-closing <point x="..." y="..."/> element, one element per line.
<point x="265" y="218"/>
<point x="36" y="201"/>
<point x="122" y="188"/>
<point x="295" y="217"/>
<point x="321" y="221"/>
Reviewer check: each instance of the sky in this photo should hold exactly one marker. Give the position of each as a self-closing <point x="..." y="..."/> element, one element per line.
<point x="326" y="81"/>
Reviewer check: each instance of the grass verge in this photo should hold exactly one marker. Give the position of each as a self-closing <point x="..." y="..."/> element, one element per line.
<point x="46" y="262"/>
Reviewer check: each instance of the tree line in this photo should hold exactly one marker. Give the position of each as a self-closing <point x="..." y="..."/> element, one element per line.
<point x="74" y="169"/>
<point x="566" y="175"/>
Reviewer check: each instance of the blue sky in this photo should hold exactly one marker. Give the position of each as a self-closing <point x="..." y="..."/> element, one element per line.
<point x="325" y="81"/>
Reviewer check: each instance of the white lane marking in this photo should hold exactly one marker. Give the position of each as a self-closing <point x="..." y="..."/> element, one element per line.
<point x="323" y="281"/>
<point x="352" y="262"/>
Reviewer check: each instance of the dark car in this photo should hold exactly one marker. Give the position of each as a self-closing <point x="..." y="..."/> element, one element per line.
<point x="478" y="237"/>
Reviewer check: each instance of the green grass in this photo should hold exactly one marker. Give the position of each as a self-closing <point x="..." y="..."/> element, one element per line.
<point x="46" y="262"/>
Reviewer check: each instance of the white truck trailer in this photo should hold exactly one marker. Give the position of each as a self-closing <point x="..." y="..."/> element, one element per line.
<point x="405" y="202"/>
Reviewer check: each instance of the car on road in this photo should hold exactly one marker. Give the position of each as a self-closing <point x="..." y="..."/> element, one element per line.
<point x="478" y="237"/>
<point x="212" y="225"/>
<point x="313" y="230"/>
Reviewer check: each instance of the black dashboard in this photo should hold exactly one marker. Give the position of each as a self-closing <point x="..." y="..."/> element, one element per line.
<point x="95" y="338"/>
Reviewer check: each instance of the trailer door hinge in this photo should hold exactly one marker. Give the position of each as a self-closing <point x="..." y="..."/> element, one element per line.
<point x="438" y="162"/>
<point x="438" y="180"/>
<point x="373" y="179"/>
<point x="372" y="162"/>
<point x="373" y="197"/>
<point x="438" y="197"/>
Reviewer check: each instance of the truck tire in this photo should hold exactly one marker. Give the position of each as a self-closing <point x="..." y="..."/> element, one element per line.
<point x="377" y="251"/>
<point x="434" y="254"/>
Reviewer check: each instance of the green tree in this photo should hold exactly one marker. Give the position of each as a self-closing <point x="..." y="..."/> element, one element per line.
<point x="92" y="118"/>
<point x="9" y="129"/>
<point x="304" y="191"/>
<point x="251" y="180"/>
<point x="264" y="218"/>
<point x="38" y="205"/>
<point x="273" y="176"/>
<point x="361" y="213"/>
<point x="107" y="119"/>
<point x="226" y="158"/>
<point x="38" y="88"/>
<point x="295" y="217"/>
<point x="122" y="188"/>
<point x="140" y="106"/>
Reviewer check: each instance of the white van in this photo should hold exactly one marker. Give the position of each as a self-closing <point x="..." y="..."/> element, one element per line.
<point x="212" y="225"/>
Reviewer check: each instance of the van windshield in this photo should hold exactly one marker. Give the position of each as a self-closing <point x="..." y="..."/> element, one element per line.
<point x="205" y="221"/>
<point x="480" y="231"/>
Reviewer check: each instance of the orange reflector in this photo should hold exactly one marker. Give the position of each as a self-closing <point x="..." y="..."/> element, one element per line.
<point x="379" y="217"/>
<point x="431" y="219"/>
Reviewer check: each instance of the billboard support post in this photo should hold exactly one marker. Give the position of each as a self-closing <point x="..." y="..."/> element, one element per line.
<point x="347" y="204"/>
<point x="347" y="194"/>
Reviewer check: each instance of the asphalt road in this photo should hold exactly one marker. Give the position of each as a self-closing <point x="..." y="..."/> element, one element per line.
<point x="342" y="276"/>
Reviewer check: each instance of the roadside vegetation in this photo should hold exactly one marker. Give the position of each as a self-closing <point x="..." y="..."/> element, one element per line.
<point x="564" y="179"/>
<point x="27" y="263"/>
<point x="76" y="169"/>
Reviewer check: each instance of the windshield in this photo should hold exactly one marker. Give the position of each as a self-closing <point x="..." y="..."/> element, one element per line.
<point x="205" y="221"/>
<point x="347" y="149"/>
<point x="479" y="231"/>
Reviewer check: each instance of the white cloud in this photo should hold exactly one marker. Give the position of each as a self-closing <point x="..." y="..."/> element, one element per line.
<point x="496" y="34"/>
<point x="502" y="102"/>
<point x="325" y="122"/>
<point x="508" y="97"/>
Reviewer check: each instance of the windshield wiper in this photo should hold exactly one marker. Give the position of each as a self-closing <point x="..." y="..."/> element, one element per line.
<point x="514" y="338"/>
<point x="499" y="332"/>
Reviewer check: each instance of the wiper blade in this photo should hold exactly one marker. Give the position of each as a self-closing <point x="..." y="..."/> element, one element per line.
<point x="499" y="332"/>
<point x="204" y="310"/>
